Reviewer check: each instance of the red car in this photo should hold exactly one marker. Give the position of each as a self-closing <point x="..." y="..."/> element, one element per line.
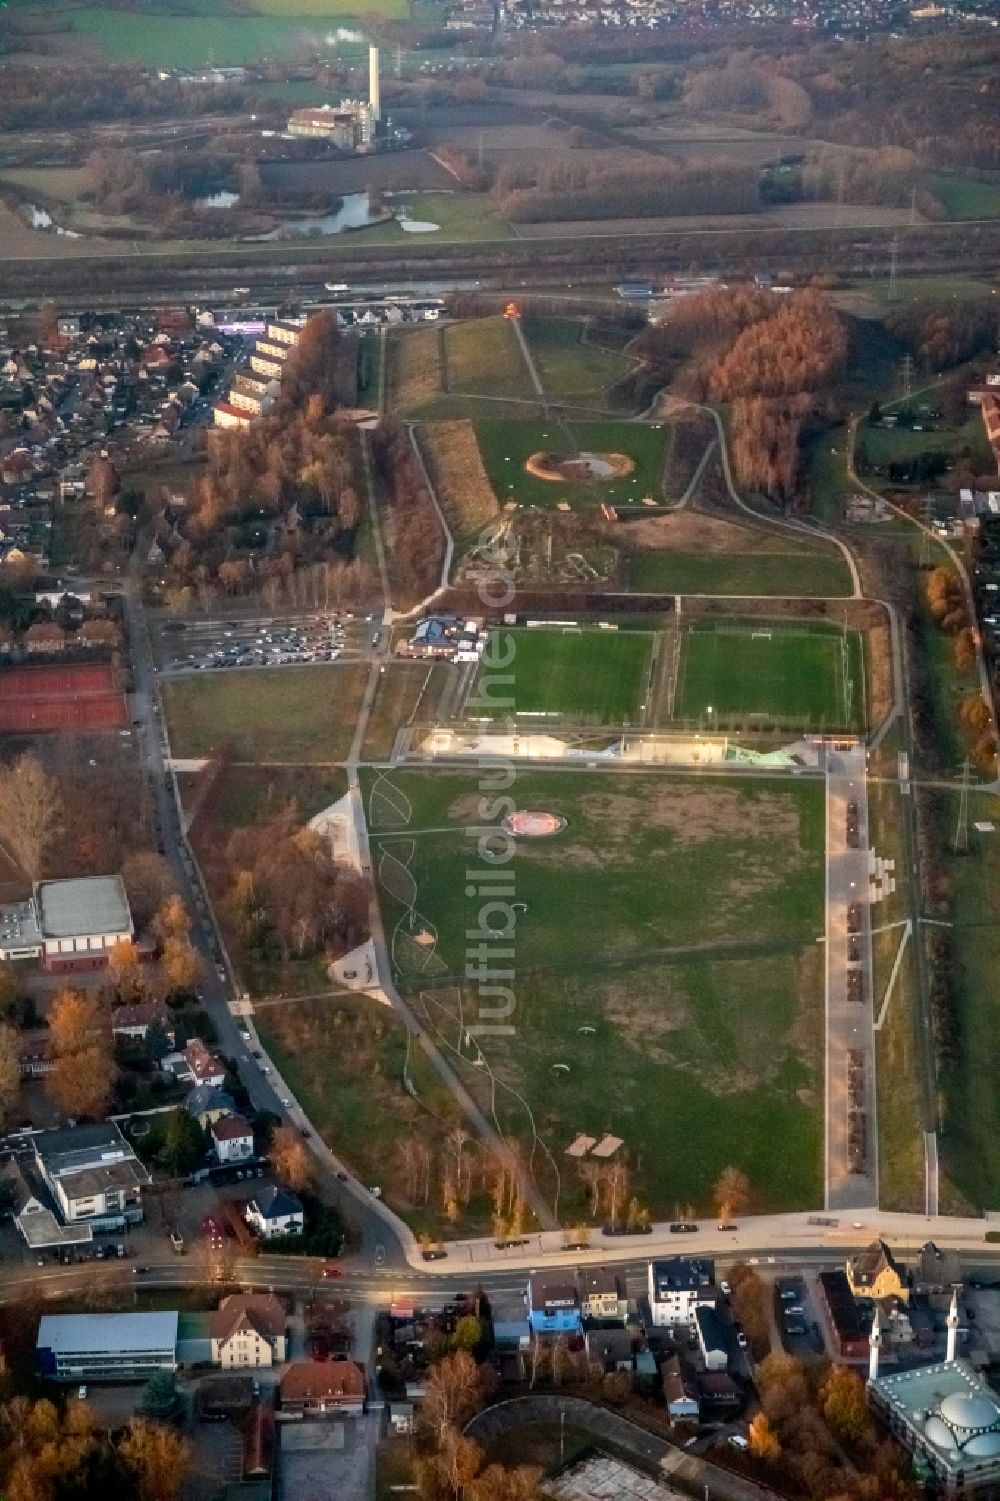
<point x="332" y="1271"/>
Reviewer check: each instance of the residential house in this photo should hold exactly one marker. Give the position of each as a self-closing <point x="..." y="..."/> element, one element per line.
<point x="712" y="1340"/>
<point x="553" y="1303"/>
<point x="248" y="1329"/>
<point x="677" y="1285"/>
<point x="936" y="1271"/>
<point x="133" y="1022"/>
<point x="206" y="1104"/>
<point x="275" y="1211"/>
<point x="93" y="1175"/>
<point x="873" y="1273"/>
<point x="232" y="1138"/>
<point x="204" y="1066"/>
<point x="610" y="1348"/>
<point x="323" y="1388"/>
<point x="679" y="1391"/>
<point x="601" y="1293"/>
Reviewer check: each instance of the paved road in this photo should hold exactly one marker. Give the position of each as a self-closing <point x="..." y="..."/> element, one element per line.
<point x="372" y="1221"/>
<point x="850" y="1046"/>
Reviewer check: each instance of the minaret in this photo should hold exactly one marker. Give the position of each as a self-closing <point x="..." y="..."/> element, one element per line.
<point x="874" y="1346"/>
<point x="952" y="1325"/>
<point x="374" y="94"/>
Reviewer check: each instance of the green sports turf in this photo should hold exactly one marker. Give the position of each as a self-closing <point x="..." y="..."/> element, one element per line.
<point x="794" y="677"/>
<point x="590" y="675"/>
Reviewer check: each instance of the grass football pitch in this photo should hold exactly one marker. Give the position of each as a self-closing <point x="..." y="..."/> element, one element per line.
<point x="808" y="678"/>
<point x="592" y="677"/>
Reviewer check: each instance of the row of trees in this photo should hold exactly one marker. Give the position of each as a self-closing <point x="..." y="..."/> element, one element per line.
<point x="587" y="190"/>
<point x="946" y="603"/>
<point x="413" y="534"/>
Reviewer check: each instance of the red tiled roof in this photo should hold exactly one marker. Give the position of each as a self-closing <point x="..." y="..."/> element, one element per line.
<point x="319" y="1381"/>
<point x="230" y="1128"/>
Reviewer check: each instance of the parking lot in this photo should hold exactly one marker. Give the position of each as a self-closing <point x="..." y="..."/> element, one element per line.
<point x="262" y="641"/>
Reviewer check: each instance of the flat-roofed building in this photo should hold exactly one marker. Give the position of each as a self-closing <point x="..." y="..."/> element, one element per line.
<point x="80" y="921"/>
<point x="106" y="1346"/>
<point x="93" y="1174"/>
<point x="677" y="1286"/>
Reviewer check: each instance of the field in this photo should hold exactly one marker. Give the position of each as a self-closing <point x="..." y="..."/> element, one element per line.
<point x="84" y="697"/>
<point x="413" y="367"/>
<point x="767" y="574"/>
<point x="583" y="676"/>
<point x="965" y="198"/>
<point x="348" y="1062"/>
<point x="765" y="671"/>
<point x="305" y="714"/>
<point x="569" y="368"/>
<point x="483" y="358"/>
<point x="885" y="445"/>
<point x="204" y="32"/>
<point x="970" y="1093"/>
<point x="464" y="493"/>
<point x="506" y="447"/>
<point x="676" y="918"/>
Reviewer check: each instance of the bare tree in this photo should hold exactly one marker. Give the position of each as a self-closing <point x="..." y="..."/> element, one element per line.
<point x="30" y="809"/>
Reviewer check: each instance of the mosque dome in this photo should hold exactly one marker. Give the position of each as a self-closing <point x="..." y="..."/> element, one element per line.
<point x="970" y="1412"/>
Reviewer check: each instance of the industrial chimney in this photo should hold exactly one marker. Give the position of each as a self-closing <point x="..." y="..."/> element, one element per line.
<point x="374" y="98"/>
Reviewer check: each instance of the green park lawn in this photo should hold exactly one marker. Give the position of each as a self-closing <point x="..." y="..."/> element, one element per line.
<point x="277" y="714"/>
<point x="773" y="574"/>
<point x="588" y="676"/>
<point x="506" y="447"/>
<point x="644" y="863"/>
<point x="810" y="675"/>
<point x="695" y="1065"/>
<point x="484" y="358"/>
<point x="568" y="367"/>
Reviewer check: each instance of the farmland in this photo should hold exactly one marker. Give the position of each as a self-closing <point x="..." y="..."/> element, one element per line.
<point x="208" y="31"/>
<point x="580" y="676"/>
<point x="302" y="714"/>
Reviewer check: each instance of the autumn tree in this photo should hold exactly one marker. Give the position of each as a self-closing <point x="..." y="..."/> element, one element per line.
<point x="290" y="1158"/>
<point x="732" y="1193"/>
<point x="125" y="972"/>
<point x="82" y="1080"/>
<point x="172" y="919"/>
<point x="456" y="1388"/>
<point x="844" y="1405"/>
<point x="764" y="1442"/>
<point x="148" y="883"/>
<point x="180" y="966"/>
<point x="30" y="810"/>
<point x="156" y="1458"/>
<point x="749" y="1301"/>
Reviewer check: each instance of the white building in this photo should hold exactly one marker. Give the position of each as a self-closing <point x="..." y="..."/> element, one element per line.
<point x="232" y="1139"/>
<point x="677" y="1286"/>
<point x="248" y="1330"/>
<point x="275" y="1211"/>
<point x="106" y="1346"/>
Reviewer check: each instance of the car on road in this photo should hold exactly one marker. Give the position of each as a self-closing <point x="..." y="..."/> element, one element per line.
<point x="741" y="1339"/>
<point x="728" y="1227"/>
<point x="683" y="1227"/>
<point x="725" y="1288"/>
<point x="286" y="1102"/>
<point x="332" y="1271"/>
<point x="81" y="1392"/>
<point x="342" y="1175"/>
<point x="139" y="1271"/>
